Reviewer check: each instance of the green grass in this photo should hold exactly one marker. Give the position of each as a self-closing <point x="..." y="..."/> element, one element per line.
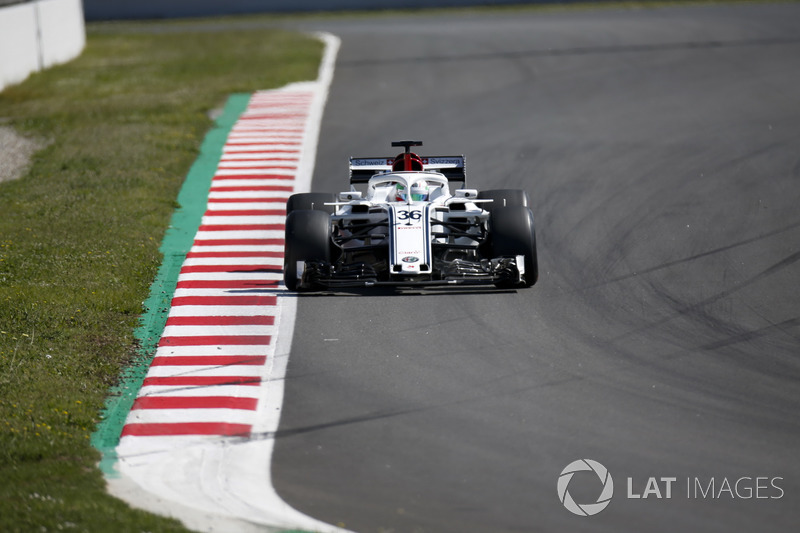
<point x="79" y="239"/>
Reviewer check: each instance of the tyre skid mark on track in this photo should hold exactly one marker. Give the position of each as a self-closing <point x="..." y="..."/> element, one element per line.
<point x="695" y="257"/>
<point x="755" y="334"/>
<point x="697" y="309"/>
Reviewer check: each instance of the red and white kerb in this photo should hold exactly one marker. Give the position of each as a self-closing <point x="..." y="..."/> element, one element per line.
<point x="207" y="373"/>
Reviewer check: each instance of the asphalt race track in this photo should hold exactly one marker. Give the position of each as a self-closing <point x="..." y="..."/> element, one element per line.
<point x="660" y="148"/>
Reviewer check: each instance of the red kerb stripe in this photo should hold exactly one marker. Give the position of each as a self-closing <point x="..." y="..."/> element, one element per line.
<point x="262" y="143"/>
<point x="239" y="320"/>
<point x="211" y="360"/>
<point x="231" y="268"/>
<point x="254" y="188"/>
<point x="255" y="128"/>
<point x="264" y="176"/>
<point x="226" y="284"/>
<point x="200" y="381"/>
<point x="222" y="165"/>
<point x="239" y="242"/>
<point x="192" y="402"/>
<point x="233" y="150"/>
<point x="243" y="213"/>
<point x="225" y="300"/>
<point x="233" y="254"/>
<point x="216" y="340"/>
<point x="285" y="160"/>
<point x="192" y="428"/>
<point x="261" y="199"/>
<point x="239" y="227"/>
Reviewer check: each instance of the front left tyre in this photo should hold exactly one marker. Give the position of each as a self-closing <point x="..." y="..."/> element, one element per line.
<point x="513" y="233"/>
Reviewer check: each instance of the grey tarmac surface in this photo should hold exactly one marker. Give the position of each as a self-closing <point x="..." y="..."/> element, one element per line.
<point x="660" y="148"/>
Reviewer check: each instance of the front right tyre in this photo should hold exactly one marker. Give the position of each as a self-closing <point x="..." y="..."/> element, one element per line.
<point x="307" y="238"/>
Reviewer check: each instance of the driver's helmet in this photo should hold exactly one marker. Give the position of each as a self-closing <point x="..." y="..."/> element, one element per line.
<point x="419" y="192"/>
<point x="407" y="162"/>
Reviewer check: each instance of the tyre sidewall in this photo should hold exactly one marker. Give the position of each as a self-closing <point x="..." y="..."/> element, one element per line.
<point x="307" y="238"/>
<point x="311" y="201"/>
<point x="513" y="233"/>
<point x="503" y="198"/>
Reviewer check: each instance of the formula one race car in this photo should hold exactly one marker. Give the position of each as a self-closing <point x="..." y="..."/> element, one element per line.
<point x="408" y="228"/>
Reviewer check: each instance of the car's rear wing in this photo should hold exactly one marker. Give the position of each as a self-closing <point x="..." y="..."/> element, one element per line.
<point x="453" y="167"/>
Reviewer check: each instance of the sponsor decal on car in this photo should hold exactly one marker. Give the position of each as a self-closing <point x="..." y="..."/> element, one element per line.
<point x="458" y="162"/>
<point x="368" y="162"/>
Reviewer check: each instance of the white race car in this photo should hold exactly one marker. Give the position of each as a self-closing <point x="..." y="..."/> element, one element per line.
<point x="408" y="228"/>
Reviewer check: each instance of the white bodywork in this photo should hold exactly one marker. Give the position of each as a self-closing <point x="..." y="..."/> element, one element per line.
<point x="407" y="227"/>
<point x="412" y="224"/>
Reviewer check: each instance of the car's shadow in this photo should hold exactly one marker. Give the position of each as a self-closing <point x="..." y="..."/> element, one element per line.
<point x="362" y="292"/>
<point x="278" y="289"/>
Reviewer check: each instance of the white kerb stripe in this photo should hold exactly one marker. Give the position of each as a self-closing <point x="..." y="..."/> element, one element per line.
<point x="223" y="331"/>
<point x="216" y="350"/>
<point x="167" y="416"/>
<point x="166" y="371"/>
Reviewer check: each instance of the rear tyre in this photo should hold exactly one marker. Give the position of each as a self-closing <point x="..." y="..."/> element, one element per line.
<point x="311" y="200"/>
<point x="308" y="238"/>
<point x="504" y="198"/>
<point x="513" y="233"/>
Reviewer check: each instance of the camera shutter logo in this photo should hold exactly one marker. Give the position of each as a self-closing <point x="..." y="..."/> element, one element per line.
<point x="586" y="509"/>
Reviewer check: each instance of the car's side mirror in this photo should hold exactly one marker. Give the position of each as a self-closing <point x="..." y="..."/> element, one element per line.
<point x="349" y="196"/>
<point x="466" y="193"/>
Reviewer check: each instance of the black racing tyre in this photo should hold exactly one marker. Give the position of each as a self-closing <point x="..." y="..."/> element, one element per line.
<point x="308" y="238"/>
<point x="311" y="200"/>
<point x="512" y="232"/>
<point x="503" y="198"/>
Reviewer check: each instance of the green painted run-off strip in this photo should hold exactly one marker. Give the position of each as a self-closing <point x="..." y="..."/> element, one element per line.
<point x="178" y="240"/>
